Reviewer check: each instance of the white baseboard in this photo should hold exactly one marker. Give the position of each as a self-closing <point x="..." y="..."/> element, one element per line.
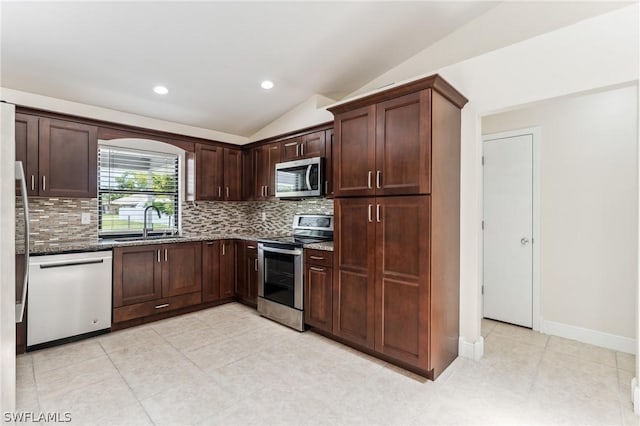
<point x="471" y="350"/>
<point x="586" y="335"/>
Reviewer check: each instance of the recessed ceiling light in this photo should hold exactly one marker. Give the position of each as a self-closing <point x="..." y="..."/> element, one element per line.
<point x="161" y="90"/>
<point x="267" y="84"/>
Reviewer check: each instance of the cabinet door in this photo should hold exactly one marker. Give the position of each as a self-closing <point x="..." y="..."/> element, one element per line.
<point x="227" y="268"/>
<point x="318" y="297"/>
<point x="249" y="174"/>
<point x="27" y="149"/>
<point x="68" y="159"/>
<point x="261" y="163"/>
<point x="137" y="274"/>
<point x="241" y="271"/>
<point x="353" y="284"/>
<point x="232" y="174"/>
<point x="210" y="271"/>
<point x="402" y="279"/>
<point x="272" y="157"/>
<point x="291" y="149"/>
<point x="354" y="152"/>
<point x="403" y="145"/>
<point x="181" y="268"/>
<point x="313" y="145"/>
<point x="252" y="274"/>
<point x="328" y="164"/>
<point x="209" y="172"/>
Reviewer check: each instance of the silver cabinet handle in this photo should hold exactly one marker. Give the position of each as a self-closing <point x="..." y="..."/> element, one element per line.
<point x="313" y="268"/>
<point x="210" y="243"/>
<point x="378" y="213"/>
<point x="158" y="256"/>
<point x="316" y="257"/>
<point x="255" y="264"/>
<point x="227" y="192"/>
<point x="301" y="150"/>
<point x="33" y="183"/>
<point x="44" y="183"/>
<point x="166" y="255"/>
<point x="223" y="246"/>
<point x="219" y="192"/>
<point x="370" y="207"/>
<point x="297" y="150"/>
<point x="369" y="179"/>
<point x="326" y="186"/>
<point x="164" y="305"/>
<point x="251" y="247"/>
<point x="378" y="175"/>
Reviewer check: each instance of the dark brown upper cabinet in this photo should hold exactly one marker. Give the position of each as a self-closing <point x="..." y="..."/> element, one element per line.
<point x="305" y="146"/>
<point x="232" y="174"/>
<point x="218" y="173"/>
<point x="383" y="142"/>
<point x="209" y="172"/>
<point x="59" y="157"/>
<point x="265" y="159"/>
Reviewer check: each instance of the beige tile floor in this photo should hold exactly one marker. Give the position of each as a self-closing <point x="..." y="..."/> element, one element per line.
<point x="227" y="365"/>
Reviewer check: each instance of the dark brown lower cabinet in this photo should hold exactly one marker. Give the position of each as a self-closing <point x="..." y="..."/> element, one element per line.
<point x="218" y="270"/>
<point x="153" y="279"/>
<point x="247" y="272"/>
<point x="227" y="268"/>
<point x="210" y="271"/>
<point x="384" y="296"/>
<point x="318" y="289"/>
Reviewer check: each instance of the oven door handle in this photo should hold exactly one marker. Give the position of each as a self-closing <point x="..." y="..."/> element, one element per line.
<point x="282" y="251"/>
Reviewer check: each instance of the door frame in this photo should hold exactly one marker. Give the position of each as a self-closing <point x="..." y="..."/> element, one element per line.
<point x="536" y="133"/>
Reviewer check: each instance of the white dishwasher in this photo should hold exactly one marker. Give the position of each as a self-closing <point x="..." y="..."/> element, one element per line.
<point x="69" y="296"/>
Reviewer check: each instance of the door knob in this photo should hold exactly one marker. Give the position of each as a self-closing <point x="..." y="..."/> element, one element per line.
<point x="524" y="241"/>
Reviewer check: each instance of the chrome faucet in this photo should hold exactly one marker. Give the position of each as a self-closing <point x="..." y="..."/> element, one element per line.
<point x="145" y="230"/>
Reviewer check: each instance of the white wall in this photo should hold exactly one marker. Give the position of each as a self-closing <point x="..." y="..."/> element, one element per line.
<point x="588" y="203"/>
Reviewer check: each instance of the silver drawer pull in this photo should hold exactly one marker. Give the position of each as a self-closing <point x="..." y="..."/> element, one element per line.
<point x="33" y="183"/>
<point x="369" y="179"/>
<point x="316" y="257"/>
<point x="251" y="247"/>
<point x="164" y="305"/>
<point x="313" y="268"/>
<point x="255" y="264"/>
<point x="44" y="183"/>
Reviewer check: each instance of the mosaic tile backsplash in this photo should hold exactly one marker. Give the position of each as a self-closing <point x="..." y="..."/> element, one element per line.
<point x="58" y="220"/>
<point x="247" y="216"/>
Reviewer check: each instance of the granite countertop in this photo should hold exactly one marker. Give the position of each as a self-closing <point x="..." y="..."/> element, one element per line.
<point x="98" y="245"/>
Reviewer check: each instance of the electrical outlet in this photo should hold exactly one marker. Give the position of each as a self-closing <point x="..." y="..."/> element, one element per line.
<point x="264" y="217"/>
<point x="86" y="218"/>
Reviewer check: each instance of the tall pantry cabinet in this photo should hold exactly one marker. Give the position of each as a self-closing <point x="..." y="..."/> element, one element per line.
<point x="396" y="175"/>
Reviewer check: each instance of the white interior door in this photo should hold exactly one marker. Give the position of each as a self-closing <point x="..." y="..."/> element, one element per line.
<point x="508" y="229"/>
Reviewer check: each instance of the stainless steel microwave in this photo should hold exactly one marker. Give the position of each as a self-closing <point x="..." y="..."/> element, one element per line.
<point x="299" y="178"/>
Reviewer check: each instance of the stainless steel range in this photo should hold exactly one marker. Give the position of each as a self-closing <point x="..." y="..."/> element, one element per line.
<point x="281" y="269"/>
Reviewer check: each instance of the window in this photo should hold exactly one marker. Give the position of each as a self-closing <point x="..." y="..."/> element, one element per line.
<point x="131" y="180"/>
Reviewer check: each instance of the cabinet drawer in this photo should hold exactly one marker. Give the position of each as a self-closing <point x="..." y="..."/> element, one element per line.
<point x="145" y="309"/>
<point x="318" y="257"/>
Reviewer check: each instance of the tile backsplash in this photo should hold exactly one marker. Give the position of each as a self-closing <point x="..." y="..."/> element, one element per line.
<point x="247" y="216"/>
<point x="58" y="220"/>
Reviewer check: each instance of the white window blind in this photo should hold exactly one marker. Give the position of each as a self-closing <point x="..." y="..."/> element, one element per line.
<point x="131" y="180"/>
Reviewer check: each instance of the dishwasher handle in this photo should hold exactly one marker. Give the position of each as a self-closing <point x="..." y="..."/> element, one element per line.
<point x="73" y="263"/>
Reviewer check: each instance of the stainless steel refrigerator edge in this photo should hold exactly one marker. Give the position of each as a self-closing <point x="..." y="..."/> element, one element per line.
<point x="7" y="260"/>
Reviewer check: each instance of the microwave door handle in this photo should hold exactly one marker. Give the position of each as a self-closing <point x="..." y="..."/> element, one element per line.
<point x="309" y="177"/>
<point x="25" y="203"/>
